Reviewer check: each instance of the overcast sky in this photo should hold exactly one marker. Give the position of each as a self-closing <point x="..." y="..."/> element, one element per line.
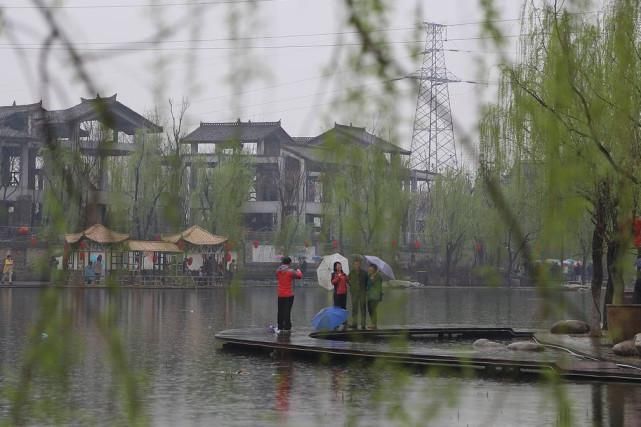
<point x="288" y="82"/>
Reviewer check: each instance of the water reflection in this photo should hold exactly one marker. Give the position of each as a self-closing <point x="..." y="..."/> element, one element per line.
<point x="169" y="335"/>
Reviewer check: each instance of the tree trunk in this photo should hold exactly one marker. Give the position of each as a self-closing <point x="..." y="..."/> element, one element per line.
<point x="611" y="257"/>
<point x="448" y="260"/>
<point x="597" y="273"/>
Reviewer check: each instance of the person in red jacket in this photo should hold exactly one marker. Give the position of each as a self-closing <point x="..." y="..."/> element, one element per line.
<point x="339" y="280"/>
<point x="286" y="276"/>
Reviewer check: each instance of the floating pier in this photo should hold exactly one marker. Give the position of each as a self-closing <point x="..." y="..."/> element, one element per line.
<point x="449" y="347"/>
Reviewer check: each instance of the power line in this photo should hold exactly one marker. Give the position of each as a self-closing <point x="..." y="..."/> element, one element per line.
<point x="179" y="48"/>
<point x="130" y="5"/>
<point x="265" y="37"/>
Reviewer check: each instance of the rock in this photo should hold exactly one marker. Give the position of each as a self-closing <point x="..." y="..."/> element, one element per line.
<point x="570" y="327"/>
<point x="525" y="346"/>
<point x="637" y="342"/>
<point x="484" y="343"/>
<point x="626" y="348"/>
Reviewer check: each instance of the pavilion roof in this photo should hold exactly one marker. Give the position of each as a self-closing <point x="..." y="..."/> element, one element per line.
<point x="196" y="235"/>
<point x="152" y="246"/>
<point x="97" y="233"/>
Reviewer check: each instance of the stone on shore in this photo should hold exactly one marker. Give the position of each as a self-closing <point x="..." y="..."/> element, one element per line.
<point x="570" y="327"/>
<point x="625" y="348"/>
<point x="485" y="344"/>
<point x="525" y="346"/>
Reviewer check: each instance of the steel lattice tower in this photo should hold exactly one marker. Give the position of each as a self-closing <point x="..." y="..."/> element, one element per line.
<point x="433" y="146"/>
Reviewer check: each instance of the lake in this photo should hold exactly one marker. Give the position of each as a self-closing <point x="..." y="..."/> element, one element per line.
<point x="168" y="336"/>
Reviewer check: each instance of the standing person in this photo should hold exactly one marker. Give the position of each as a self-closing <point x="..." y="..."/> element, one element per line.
<point x="286" y="276"/>
<point x="374" y="294"/>
<point x="339" y="280"/>
<point x="7" y="271"/>
<point x="97" y="269"/>
<point x="357" y="279"/>
<point x="89" y="273"/>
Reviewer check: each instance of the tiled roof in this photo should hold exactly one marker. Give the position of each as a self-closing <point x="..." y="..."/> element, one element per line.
<point x="302" y="139"/>
<point x="233" y="131"/>
<point x="196" y="236"/>
<point x="358" y="135"/>
<point x="94" y="108"/>
<point x="151" y="246"/>
<point x="97" y="233"/>
<point x="8" y="110"/>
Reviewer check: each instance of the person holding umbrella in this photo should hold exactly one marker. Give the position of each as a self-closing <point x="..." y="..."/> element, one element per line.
<point x="357" y="280"/>
<point x="339" y="281"/>
<point x="374" y="293"/>
<point x="286" y="276"/>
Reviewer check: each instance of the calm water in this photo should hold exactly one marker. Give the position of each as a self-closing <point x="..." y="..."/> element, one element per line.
<point x="169" y="335"/>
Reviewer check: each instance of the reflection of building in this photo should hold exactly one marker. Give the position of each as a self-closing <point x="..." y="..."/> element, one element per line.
<point x="79" y="138"/>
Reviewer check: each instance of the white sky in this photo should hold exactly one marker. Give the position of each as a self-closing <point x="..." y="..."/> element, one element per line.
<point x="286" y="82"/>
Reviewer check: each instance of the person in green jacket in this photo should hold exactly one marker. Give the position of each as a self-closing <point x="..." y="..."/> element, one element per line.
<point x="374" y="294"/>
<point x="358" y="294"/>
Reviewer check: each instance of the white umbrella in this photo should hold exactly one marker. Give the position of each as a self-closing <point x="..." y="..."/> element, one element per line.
<point x="326" y="268"/>
<point x="383" y="267"/>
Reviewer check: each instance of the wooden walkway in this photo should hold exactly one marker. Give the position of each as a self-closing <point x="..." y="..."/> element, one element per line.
<point x="438" y="347"/>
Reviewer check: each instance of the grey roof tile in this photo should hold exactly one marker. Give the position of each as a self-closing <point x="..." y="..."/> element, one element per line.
<point x="233" y="131"/>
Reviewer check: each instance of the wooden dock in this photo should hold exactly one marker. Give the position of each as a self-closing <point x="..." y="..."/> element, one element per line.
<point x="437" y="347"/>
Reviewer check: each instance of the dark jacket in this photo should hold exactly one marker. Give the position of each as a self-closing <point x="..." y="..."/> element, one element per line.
<point x="357" y="283"/>
<point x="375" y="287"/>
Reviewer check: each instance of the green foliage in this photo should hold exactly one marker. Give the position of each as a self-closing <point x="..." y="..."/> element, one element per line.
<point x="221" y="193"/>
<point x="367" y="203"/>
<point x="450" y="220"/>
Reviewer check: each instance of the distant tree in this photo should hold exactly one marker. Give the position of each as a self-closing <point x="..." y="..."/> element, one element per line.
<point x="449" y="220"/>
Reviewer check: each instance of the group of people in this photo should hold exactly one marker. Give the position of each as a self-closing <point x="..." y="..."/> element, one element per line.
<point x="365" y="289"/>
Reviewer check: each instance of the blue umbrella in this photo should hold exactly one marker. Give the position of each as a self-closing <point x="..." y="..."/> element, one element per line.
<point x="330" y="318"/>
<point x="383" y="267"/>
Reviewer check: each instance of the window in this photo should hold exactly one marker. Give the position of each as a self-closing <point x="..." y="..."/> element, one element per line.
<point x="314" y="189"/>
<point x="250" y="148"/>
<point x="251" y="197"/>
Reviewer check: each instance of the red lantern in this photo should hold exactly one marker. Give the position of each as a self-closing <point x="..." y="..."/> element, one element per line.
<point x="394" y="243"/>
<point x="34" y="240"/>
<point x="83" y="245"/>
<point x="228" y="256"/>
<point x="636" y="226"/>
<point x="255" y="243"/>
<point x="478" y="247"/>
<point x="23" y="231"/>
<point x="334" y="243"/>
<point x="157" y="237"/>
<point x="417" y="244"/>
<point x="190" y="260"/>
<point x="82" y="256"/>
<point x="154" y="258"/>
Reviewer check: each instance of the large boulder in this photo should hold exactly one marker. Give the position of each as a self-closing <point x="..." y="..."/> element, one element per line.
<point x="485" y="344"/>
<point x="570" y="327"/>
<point x="626" y="348"/>
<point x="525" y="346"/>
